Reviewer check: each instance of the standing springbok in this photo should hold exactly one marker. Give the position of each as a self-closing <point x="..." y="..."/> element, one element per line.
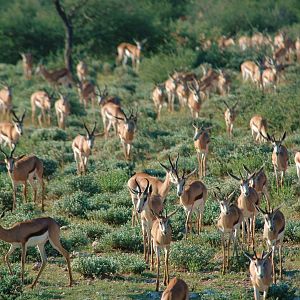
<point x="260" y="273"/>
<point x="250" y="70"/>
<point x="62" y="110"/>
<point x="177" y="289"/>
<point x="269" y="76"/>
<point x="274" y="233"/>
<point x="170" y="86"/>
<point x="82" y="147"/>
<point x="258" y="124"/>
<point x="246" y="203"/>
<point x="195" y="98"/>
<point x="158" y="98"/>
<point x="10" y="132"/>
<point x="82" y="71"/>
<point x="126" y="50"/>
<point x="23" y="168"/>
<point x="230" y="116"/>
<point x="229" y="223"/>
<point x="201" y="143"/>
<point x="280" y="157"/>
<point x="35" y="232"/>
<point x="161" y="236"/>
<point x="88" y="92"/>
<point x="41" y="100"/>
<point x="5" y="99"/>
<point x="297" y="162"/>
<point x="27" y="61"/>
<point x="104" y="97"/>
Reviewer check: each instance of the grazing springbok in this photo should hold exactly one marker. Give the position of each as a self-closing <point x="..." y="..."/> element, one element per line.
<point x="228" y="223"/>
<point x="297" y="162"/>
<point x="280" y="157"/>
<point x="225" y="42"/>
<point x="62" y="110"/>
<point x="258" y="124"/>
<point x="274" y="233"/>
<point x="27" y="61"/>
<point x="41" y="100"/>
<point x="82" y="148"/>
<point x="88" y="92"/>
<point x="22" y="169"/>
<point x="10" y="132"/>
<point x="161" y="237"/>
<point x="126" y="50"/>
<point x="56" y="77"/>
<point x="82" y="71"/>
<point x="35" y="232"/>
<point x="244" y="42"/>
<point x="250" y="70"/>
<point x="195" y="98"/>
<point x="5" y="99"/>
<point x="260" y="273"/>
<point x="230" y="116"/>
<point x="158" y="98"/>
<point x="201" y="143"/>
<point x="177" y="289"/>
<point x="246" y="203"/>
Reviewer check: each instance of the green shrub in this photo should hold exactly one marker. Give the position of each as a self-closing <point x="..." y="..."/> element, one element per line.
<point x="113" y="215"/>
<point x="86" y="183"/>
<point x="93" y="230"/>
<point x="282" y="291"/>
<point x="50" y="166"/>
<point x="112" y="181"/>
<point x="292" y="231"/>
<point x="130" y="263"/>
<point x="211" y="212"/>
<point x="11" y="286"/>
<point x="49" y="134"/>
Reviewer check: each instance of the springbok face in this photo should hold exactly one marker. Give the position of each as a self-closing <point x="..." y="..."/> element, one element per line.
<point x="9" y="160"/>
<point x="18" y="127"/>
<point x="245" y="185"/>
<point x="269" y="220"/>
<point x="224" y="206"/>
<point x="163" y="225"/>
<point x="277" y="147"/>
<point x="90" y="136"/>
<point x="142" y="196"/>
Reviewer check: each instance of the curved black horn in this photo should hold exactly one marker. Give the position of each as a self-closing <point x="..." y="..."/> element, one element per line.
<point x="138" y="186"/>
<point x="86" y="128"/>
<point x="6" y="156"/>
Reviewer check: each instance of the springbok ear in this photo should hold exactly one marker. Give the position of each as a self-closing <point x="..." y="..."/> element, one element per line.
<point x="20" y="157"/>
<point x="248" y="255"/>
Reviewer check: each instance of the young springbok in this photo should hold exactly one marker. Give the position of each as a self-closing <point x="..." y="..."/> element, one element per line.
<point x="177" y="289"/>
<point x="260" y="273"/>
<point x="5" y="99"/>
<point x="274" y="233"/>
<point x="201" y="143"/>
<point x="82" y="147"/>
<point x="10" y="132"/>
<point x="27" y="61"/>
<point x="161" y="237"/>
<point x="280" y="157"/>
<point x="258" y="124"/>
<point x="88" y="92"/>
<point x="297" y="162"/>
<point x="35" y="232"/>
<point x="229" y="223"/>
<point x="158" y="98"/>
<point x="230" y="116"/>
<point x="62" y="110"/>
<point x="42" y="100"/>
<point x="195" y="98"/>
<point x="23" y="168"/>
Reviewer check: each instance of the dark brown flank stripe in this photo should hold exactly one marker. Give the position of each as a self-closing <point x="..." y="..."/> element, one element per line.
<point x="32" y="169"/>
<point x="281" y="229"/>
<point x="199" y="197"/>
<point x="37" y="233"/>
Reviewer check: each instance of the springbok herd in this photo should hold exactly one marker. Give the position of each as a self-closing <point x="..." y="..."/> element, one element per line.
<point x="148" y="193"/>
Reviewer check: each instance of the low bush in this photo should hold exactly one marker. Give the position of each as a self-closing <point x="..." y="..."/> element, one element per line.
<point x="112" y="181"/>
<point x="211" y="212"/>
<point x="50" y="166"/>
<point x="281" y="291"/>
<point x="46" y="134"/>
<point x="292" y="231"/>
<point x="11" y="286"/>
<point x="130" y="263"/>
<point x="113" y="215"/>
<point x="85" y="184"/>
<point x="93" y="230"/>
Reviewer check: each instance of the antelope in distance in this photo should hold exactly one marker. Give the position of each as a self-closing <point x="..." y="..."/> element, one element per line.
<point x="126" y="50"/>
<point x="82" y="148"/>
<point x="35" y="232"/>
<point x="244" y="42"/>
<point x="297" y="48"/>
<point x="260" y="273"/>
<point x="56" y="77"/>
<point x="230" y="116"/>
<point x="159" y="187"/>
<point x="274" y="233"/>
<point x="224" y="42"/>
<point x="22" y="169"/>
<point x="158" y="98"/>
<point x="297" y="162"/>
<point x="279" y="40"/>
<point x="280" y="157"/>
<point x="27" y="61"/>
<point x="170" y="86"/>
<point x="246" y="202"/>
<point x="250" y="70"/>
<point x="258" y="40"/>
<point x="104" y="98"/>
<point x="126" y="130"/>
<point x="201" y="143"/>
<point x="223" y="85"/>
<point x="10" y="132"/>
<point x="88" y="92"/>
<point x="228" y="223"/>
<point x="258" y="125"/>
<point x="269" y="75"/>
<point x="177" y="289"/>
<point x="82" y="71"/>
<point x="5" y="99"/>
<point x="41" y="100"/>
<point x="161" y="237"/>
<point x="259" y="182"/>
<point x="195" y="98"/>
<point x="62" y="110"/>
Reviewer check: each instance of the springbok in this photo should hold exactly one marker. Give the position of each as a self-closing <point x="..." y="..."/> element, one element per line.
<point x="103" y="97"/>
<point x="297" y="48"/>
<point x="126" y="50"/>
<point x="27" y="61"/>
<point x="244" y="42"/>
<point x="177" y="289"/>
<point x="229" y="222"/>
<point x="82" y="147"/>
<point x="201" y="143"/>
<point x="158" y="98"/>
<point x="88" y="92"/>
<point x="280" y="156"/>
<point x="62" y="110"/>
<point x="41" y="100"/>
<point x="23" y="168"/>
<point x="82" y="71"/>
<point x="194" y="98"/>
<point x="35" y="232"/>
<point x="224" y="42"/>
<point x="260" y="273"/>
<point x="269" y="76"/>
<point x="246" y="203"/>
<point x="170" y="86"/>
<point x="274" y="233"/>
<point x="297" y="162"/>
<point x="258" y="124"/>
<point x="250" y="70"/>
<point x="10" y="132"/>
<point x="161" y="237"/>
<point x="230" y="116"/>
<point x="5" y="99"/>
